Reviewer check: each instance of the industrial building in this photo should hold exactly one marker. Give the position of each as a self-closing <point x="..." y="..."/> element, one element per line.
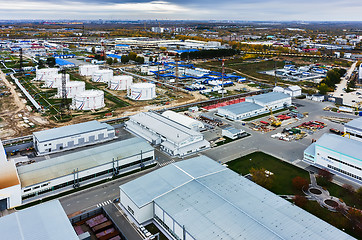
<point x="293" y="91"/>
<point x="10" y="190"/>
<point x="86" y="164"/>
<point x="173" y="137"/>
<point x="189" y="122"/>
<point x="201" y="199"/>
<point x="339" y="155"/>
<point x="46" y="221"/>
<point x="271" y="100"/>
<point x="354" y="129"/>
<point x="232" y="133"/>
<point x="72" y="136"/>
<point x="360" y="74"/>
<point x="255" y="105"/>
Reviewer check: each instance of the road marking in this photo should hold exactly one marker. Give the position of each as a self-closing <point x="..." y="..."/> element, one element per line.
<point x="166" y="163"/>
<point x="104" y="203"/>
<point x="68" y="205"/>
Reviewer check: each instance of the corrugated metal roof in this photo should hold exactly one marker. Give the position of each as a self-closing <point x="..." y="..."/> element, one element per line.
<point x="70" y="130"/>
<point x="218" y="203"/>
<point x="46" y="221"/>
<point x="343" y="145"/>
<point x="182" y="119"/>
<point x="85" y="159"/>
<point x="269" y="97"/>
<point x="356" y="123"/>
<point x="143" y="190"/>
<point x="241" y="108"/>
<point x="164" y="126"/>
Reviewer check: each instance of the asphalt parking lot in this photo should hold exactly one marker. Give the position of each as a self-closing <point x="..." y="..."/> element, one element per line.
<point x="289" y="151"/>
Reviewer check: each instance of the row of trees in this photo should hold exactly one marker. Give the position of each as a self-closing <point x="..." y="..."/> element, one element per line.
<point x="132" y="56"/>
<point x="329" y="83"/>
<point x="209" y="54"/>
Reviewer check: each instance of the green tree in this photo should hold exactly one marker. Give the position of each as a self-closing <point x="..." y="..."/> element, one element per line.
<point x="125" y="59"/>
<point x="93" y="50"/>
<point x="150" y="59"/>
<point x="51" y="61"/>
<point x="132" y="56"/>
<point x="115" y="60"/>
<point x="41" y="64"/>
<point x="140" y="60"/>
<point x="261" y="178"/>
<point x="109" y="61"/>
<point x="323" y="88"/>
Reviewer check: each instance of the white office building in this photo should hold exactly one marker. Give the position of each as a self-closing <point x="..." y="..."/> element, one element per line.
<point x="173" y="137"/>
<point x="293" y="91"/>
<point x="201" y="199"/>
<point x="72" y="136"/>
<point x="354" y="128"/>
<point x="339" y="155"/>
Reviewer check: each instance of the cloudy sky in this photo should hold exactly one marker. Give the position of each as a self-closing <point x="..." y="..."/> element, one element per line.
<point x="261" y="10"/>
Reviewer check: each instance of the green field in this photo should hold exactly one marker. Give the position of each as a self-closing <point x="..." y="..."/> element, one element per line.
<point x="283" y="172"/>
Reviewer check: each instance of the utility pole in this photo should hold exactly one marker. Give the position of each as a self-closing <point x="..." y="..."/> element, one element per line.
<point x="21" y="61"/>
<point x="222" y="78"/>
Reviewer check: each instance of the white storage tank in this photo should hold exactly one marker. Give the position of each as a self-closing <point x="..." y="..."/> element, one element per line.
<point x="88" y="70"/>
<point x="88" y="100"/>
<point x="122" y="82"/>
<point x="102" y="76"/>
<point x="44" y="73"/>
<point x="55" y="81"/>
<point x="72" y="88"/>
<point x="142" y="91"/>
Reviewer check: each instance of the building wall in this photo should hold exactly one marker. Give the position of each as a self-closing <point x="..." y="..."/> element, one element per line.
<point x="142" y="214"/>
<point x="12" y="194"/>
<point x="355" y="133"/>
<point x="293" y="93"/>
<point x="233" y="116"/>
<point x="339" y="163"/>
<point x="42" y="186"/>
<point x="74" y="141"/>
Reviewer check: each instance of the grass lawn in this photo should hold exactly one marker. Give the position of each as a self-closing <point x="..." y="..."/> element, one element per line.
<point x="283" y="172"/>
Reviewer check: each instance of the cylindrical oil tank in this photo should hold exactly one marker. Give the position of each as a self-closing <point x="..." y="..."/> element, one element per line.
<point x="142" y="91"/>
<point x="122" y="82"/>
<point x="44" y="73"/>
<point x="102" y="76"/>
<point x="88" y="70"/>
<point x="55" y="81"/>
<point x="88" y="100"/>
<point x="72" y="88"/>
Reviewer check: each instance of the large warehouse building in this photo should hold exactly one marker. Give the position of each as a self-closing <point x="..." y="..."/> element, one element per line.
<point x="255" y="105"/>
<point x="354" y="128"/>
<point x="72" y="136"/>
<point x="76" y="167"/>
<point x="340" y="155"/>
<point x="201" y="199"/>
<point x="173" y="137"/>
<point x="46" y="221"/>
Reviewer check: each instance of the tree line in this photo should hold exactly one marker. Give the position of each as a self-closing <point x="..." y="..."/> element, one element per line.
<point x="209" y="54"/>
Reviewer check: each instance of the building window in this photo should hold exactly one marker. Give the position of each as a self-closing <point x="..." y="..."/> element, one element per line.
<point x="130" y="210"/>
<point x="27" y="190"/>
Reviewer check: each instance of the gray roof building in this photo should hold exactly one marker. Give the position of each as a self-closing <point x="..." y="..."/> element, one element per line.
<point x="241" y="108"/>
<point x="201" y="199"/>
<point x="66" y="131"/>
<point x="46" y="221"/>
<point x="355" y="124"/>
<point x="265" y="99"/>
